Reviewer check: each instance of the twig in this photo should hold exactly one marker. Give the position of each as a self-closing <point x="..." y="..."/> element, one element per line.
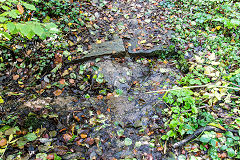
<point x="198" y="132"/>
<point x="200" y="86"/>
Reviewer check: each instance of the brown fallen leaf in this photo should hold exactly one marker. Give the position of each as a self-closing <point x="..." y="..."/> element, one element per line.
<point x="50" y="157"/>
<point x="67" y="137"/>
<point x="99" y="97"/>
<point x="83" y="135"/>
<point x="72" y="81"/>
<point x="89" y="141"/>
<point x="20" y="8"/>
<point x="62" y="81"/>
<point x="15" y="77"/>
<point x="19" y="59"/>
<point x="109" y="95"/>
<point x="218" y="135"/>
<point x="3" y="142"/>
<point x="57" y="92"/>
<point x="60" y="150"/>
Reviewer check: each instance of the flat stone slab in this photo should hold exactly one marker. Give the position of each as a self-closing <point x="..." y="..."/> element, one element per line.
<point x="114" y="47"/>
<point x="137" y="49"/>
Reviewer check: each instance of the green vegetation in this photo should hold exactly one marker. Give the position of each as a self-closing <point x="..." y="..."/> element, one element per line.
<point x="213" y="79"/>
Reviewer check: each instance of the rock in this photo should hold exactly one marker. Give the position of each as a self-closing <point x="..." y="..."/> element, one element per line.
<point x="114" y="48"/>
<point x="162" y="46"/>
<point x="121" y="76"/>
<point x="93" y="156"/>
<point x="138" y="124"/>
<point x="76" y="155"/>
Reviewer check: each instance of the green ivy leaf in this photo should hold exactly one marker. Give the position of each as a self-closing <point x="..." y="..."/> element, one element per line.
<point x="205" y="138"/>
<point x="30" y="34"/>
<point x="127" y="141"/>
<point x="194" y="109"/>
<point x="171" y="133"/>
<point x="231" y="152"/>
<point x="120" y="132"/>
<point x="31" y="136"/>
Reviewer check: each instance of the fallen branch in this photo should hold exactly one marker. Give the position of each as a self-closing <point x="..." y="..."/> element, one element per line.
<point x="200" y="86"/>
<point x="198" y="132"/>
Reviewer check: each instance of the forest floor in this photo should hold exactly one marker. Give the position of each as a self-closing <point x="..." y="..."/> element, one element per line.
<point x="137" y="79"/>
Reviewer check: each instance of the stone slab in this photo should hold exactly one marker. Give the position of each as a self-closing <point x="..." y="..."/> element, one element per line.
<point x="114" y="47"/>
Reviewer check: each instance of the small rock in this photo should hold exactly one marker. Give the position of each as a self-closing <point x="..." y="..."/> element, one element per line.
<point x="76" y="155"/>
<point x="138" y="124"/>
<point x="97" y="15"/>
<point x="93" y="156"/>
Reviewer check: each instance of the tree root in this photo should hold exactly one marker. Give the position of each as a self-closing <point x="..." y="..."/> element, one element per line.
<point x="198" y="132"/>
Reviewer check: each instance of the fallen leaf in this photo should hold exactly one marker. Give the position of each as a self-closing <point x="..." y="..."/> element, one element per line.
<point x="15" y="77"/>
<point x="20" y="8"/>
<point x="19" y="59"/>
<point x="83" y="135"/>
<point x="159" y="148"/>
<point x="58" y="58"/>
<point x="98" y="112"/>
<point x="99" y="97"/>
<point x="143" y="41"/>
<point x="50" y="157"/>
<point x="98" y="41"/>
<point x="60" y="150"/>
<point x="57" y="92"/>
<point x="3" y="142"/>
<point x="71" y="81"/>
<point x="62" y="81"/>
<point x="67" y="137"/>
<point x="109" y="95"/>
<point x="66" y="72"/>
<point x="29" y="52"/>
<point x="89" y="141"/>
<point x="219" y="135"/>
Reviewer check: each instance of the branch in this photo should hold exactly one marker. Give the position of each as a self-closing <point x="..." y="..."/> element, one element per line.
<point x="200" y="86"/>
<point x="198" y="132"/>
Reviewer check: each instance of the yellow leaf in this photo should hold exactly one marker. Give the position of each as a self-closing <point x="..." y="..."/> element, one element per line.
<point x="19" y="82"/>
<point x="10" y="138"/>
<point x="1" y="100"/>
<point x="217" y="125"/>
<point x="218" y="27"/>
<point x="143" y="41"/>
<point x="83" y="135"/>
<point x="98" y="41"/>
